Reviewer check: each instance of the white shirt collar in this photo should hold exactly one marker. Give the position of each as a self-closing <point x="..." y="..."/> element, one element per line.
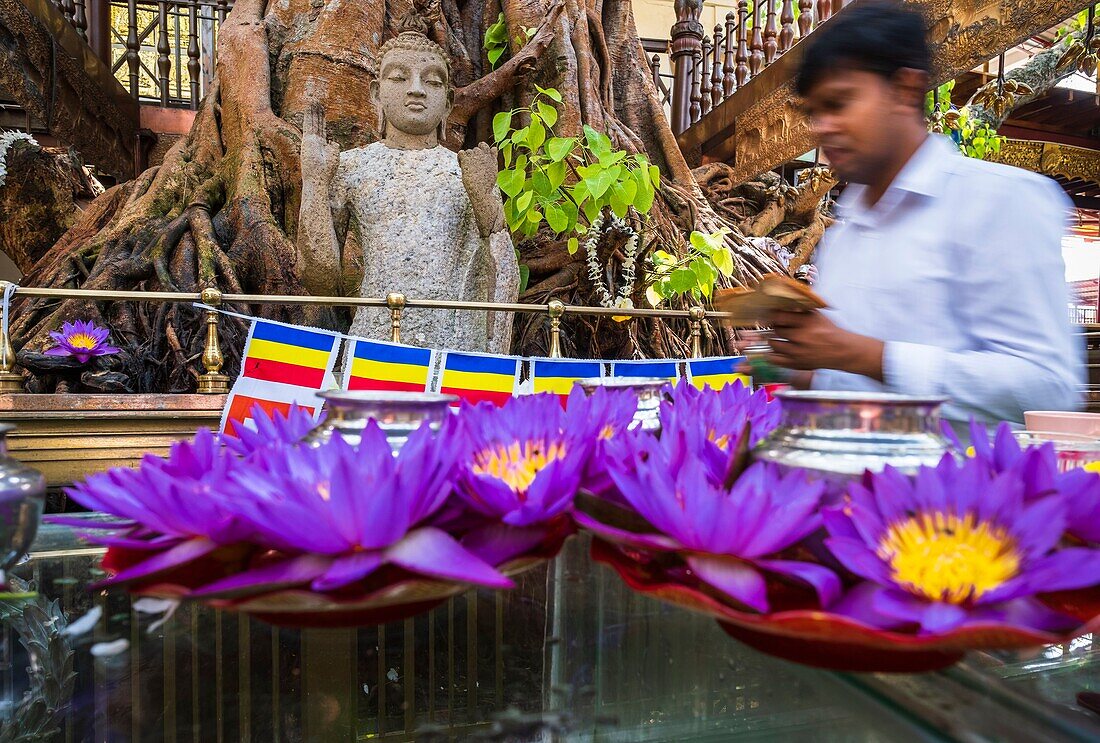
<point x="922" y="175"/>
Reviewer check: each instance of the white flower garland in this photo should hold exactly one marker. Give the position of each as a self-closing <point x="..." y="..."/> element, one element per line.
<point x="622" y="298"/>
<point x="7" y="139"/>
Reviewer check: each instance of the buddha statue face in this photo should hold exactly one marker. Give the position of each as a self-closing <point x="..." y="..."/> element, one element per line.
<point x="413" y="90"/>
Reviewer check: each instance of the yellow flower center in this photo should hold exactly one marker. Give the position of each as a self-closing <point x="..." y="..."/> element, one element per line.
<point x="607" y="432"/>
<point x="946" y="558"/>
<point x="81" y="340"/>
<point x="517" y="465"/>
<point x="722" y="441"/>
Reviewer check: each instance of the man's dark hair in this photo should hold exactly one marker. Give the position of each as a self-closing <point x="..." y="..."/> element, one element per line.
<point x="879" y="38"/>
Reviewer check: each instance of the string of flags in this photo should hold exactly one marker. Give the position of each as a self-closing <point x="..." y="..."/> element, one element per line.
<point x="286" y="364"/>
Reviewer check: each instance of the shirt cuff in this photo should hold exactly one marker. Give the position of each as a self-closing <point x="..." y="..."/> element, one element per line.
<point x="912" y="368"/>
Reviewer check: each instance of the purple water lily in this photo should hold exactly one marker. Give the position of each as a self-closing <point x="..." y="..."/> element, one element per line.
<point x="172" y="506"/>
<point x="524" y="465"/>
<point x="598" y="417"/>
<point x="723" y="413"/>
<point x="957" y="545"/>
<point x="270" y="430"/>
<point x="729" y="537"/>
<point x="82" y="340"/>
<point x="340" y="513"/>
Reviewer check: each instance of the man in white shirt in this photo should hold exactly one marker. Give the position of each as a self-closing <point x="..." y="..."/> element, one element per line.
<point x="944" y="276"/>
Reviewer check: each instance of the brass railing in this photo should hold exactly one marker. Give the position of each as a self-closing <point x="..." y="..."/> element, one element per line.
<point x="212" y="381"/>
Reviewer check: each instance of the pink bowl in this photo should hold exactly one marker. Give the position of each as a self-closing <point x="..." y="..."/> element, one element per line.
<point x="1056" y="421"/>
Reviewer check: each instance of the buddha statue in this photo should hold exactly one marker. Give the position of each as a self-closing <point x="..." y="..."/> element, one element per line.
<point x="405" y="214"/>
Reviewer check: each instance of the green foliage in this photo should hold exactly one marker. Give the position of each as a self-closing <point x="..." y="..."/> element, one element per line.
<point x="1079" y="23"/>
<point x="706" y="259"/>
<point x="974" y="137"/>
<point x="944" y="98"/>
<point x="565" y="182"/>
<point x="496" y="40"/>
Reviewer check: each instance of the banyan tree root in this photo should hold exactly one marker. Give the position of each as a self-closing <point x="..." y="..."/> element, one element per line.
<point x="221" y="211"/>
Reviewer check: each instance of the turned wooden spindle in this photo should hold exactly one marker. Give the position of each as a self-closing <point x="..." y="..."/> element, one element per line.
<point x="805" y="17"/>
<point x="164" y="62"/>
<point x="80" y="18"/>
<point x="756" y="58"/>
<point x="132" y="46"/>
<point x="716" y="68"/>
<point x="824" y="10"/>
<point x="742" y="73"/>
<point x="194" y="68"/>
<point x="686" y="41"/>
<point x="704" y="76"/>
<point x="655" y="71"/>
<point x="696" y="98"/>
<point x="786" y="27"/>
<point x="771" y="34"/>
<point x="729" y="65"/>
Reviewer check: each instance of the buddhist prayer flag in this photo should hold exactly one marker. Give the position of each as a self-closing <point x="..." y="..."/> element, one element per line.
<point x="270" y="396"/>
<point x="662" y="369"/>
<point x="287" y="354"/>
<point x="716" y="372"/>
<point x="377" y="365"/>
<point x="479" y="377"/>
<point x="558" y="375"/>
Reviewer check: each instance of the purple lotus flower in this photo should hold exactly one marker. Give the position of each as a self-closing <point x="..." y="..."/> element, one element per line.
<point x="173" y="506"/>
<point x="1038" y="468"/>
<point x="82" y="340"/>
<point x="339" y="513"/>
<point x="957" y="545"/>
<point x="524" y="465"/>
<point x="270" y="430"/>
<point x="729" y="537"/>
<point x="596" y="418"/>
<point x="723" y="413"/>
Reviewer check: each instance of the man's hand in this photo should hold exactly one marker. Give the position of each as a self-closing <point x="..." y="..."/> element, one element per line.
<point x="320" y="157"/>
<point x="479" y="176"/>
<point x="809" y="341"/>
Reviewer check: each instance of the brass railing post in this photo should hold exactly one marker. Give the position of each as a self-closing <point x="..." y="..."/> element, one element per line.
<point x="696" y="315"/>
<point x="396" y="302"/>
<point x="555" y="309"/>
<point x="213" y="382"/>
<point x="10" y="380"/>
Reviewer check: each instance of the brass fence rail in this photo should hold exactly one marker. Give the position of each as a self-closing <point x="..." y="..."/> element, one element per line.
<point x="214" y="382"/>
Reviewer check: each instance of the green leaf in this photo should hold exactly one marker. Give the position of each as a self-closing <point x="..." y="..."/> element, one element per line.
<point x="579" y="192"/>
<point x="556" y="218"/>
<point x="723" y="261"/>
<point x="652" y="295"/>
<point x="558" y="147"/>
<point x="682" y="280"/>
<point x="607" y="159"/>
<point x="524" y="277"/>
<point x="520" y="135"/>
<point x="506" y="152"/>
<point x="572" y="245"/>
<point x="655" y="176"/>
<point x="510" y="181"/>
<point x="591" y="211"/>
<point x="548" y="112"/>
<point x="556" y="173"/>
<point x="502" y="122"/>
<point x="619" y="202"/>
<point x="598" y="184"/>
<point x="521" y="163"/>
<point x="494" y="55"/>
<point x="643" y="199"/>
<point x="534" y="216"/>
<point x="571" y="214"/>
<point x="541" y="183"/>
<point x="550" y="93"/>
<point x="597" y="142"/>
<point x="536" y="135"/>
<point x="523" y="201"/>
<point x="701" y="242"/>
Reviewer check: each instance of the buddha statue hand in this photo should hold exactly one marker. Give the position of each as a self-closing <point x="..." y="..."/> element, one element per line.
<point x="479" y="176"/>
<point x="320" y="157"/>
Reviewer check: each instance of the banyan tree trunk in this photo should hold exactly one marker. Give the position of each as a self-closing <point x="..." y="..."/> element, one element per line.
<point x="222" y="209"/>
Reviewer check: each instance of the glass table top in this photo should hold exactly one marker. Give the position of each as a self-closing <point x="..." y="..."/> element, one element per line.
<point x="570" y="654"/>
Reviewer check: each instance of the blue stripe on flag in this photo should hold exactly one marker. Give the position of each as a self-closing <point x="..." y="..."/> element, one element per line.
<point x="392" y="354"/>
<point x="566" y="369"/>
<point x="705" y="367"/>
<point x="482" y="364"/>
<point x="269" y="331"/>
<point x="645" y="369"/>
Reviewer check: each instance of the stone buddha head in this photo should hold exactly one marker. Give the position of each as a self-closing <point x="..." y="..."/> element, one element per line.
<point x="413" y="92"/>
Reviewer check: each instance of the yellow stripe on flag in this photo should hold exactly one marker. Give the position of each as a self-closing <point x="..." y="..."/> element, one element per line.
<point x="272" y="351"/>
<point x="557" y="385"/>
<point x="718" y="381"/>
<point x="477" y="381"/>
<point x="386" y="370"/>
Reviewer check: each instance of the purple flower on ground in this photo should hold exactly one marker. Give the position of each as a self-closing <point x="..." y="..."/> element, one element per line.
<point x="341" y="513"/>
<point x="729" y="537"/>
<point x="82" y="339"/>
<point x="957" y="545"/>
<point x="524" y="465"/>
<point x="270" y="430"/>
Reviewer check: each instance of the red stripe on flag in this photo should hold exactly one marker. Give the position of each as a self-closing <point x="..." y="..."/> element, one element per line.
<point x="366" y="383"/>
<point x="240" y="409"/>
<point x="280" y="371"/>
<point x="476" y="396"/>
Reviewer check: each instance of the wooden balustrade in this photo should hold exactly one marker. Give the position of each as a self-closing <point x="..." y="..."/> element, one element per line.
<point x="709" y="69"/>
